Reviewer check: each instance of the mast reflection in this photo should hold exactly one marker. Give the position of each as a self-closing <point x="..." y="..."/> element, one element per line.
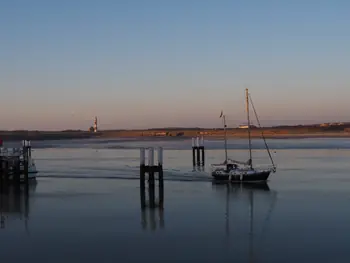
<point x="237" y="198"/>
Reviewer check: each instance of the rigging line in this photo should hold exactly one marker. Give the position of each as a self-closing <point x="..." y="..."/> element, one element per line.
<point x="262" y="133"/>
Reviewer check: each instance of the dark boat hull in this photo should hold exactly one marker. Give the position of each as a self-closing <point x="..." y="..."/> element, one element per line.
<point x="256" y="176"/>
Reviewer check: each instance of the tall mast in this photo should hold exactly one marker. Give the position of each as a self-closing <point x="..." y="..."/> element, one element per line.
<point x="248" y="117"/>
<point x="224" y="118"/>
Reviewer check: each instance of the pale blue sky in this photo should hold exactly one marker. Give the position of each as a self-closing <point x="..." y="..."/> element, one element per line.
<point x="138" y="63"/>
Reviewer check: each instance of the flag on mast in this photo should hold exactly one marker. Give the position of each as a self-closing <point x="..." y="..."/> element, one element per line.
<point x="222" y="113"/>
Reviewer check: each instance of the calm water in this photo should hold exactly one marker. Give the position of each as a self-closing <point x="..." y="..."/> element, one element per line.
<point x="85" y="206"/>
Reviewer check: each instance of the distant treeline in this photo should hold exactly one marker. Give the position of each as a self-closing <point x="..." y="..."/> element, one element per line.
<point x="177" y="129"/>
<point x="45" y="135"/>
<point x="81" y="133"/>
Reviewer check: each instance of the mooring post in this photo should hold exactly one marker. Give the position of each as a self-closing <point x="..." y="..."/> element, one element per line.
<point x="160" y="164"/>
<point x="1" y="171"/>
<point x="198" y="152"/>
<point x="142" y="178"/>
<point x="160" y="177"/>
<point x="6" y="171"/>
<point x="142" y="165"/>
<point x="151" y="165"/>
<point x="29" y="147"/>
<point x="25" y="162"/>
<point x="151" y="181"/>
<point x="193" y="151"/>
<point x="202" y="150"/>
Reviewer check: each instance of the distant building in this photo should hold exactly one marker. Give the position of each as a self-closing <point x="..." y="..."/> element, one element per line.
<point x="246" y="126"/>
<point x="160" y="134"/>
<point x="327" y="124"/>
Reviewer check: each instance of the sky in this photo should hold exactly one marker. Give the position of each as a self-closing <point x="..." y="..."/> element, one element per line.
<point x="161" y="63"/>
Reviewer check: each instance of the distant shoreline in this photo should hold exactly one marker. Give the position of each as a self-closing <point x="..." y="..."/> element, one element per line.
<point x="270" y="133"/>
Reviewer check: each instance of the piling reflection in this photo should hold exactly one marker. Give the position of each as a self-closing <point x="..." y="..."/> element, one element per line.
<point x="152" y="209"/>
<point x="260" y="200"/>
<point x="14" y="203"/>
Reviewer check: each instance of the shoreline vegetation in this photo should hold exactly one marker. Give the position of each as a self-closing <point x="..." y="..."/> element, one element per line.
<point x="278" y="132"/>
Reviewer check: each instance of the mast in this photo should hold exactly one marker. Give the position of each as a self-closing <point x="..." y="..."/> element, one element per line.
<point x="249" y="136"/>
<point x="222" y="115"/>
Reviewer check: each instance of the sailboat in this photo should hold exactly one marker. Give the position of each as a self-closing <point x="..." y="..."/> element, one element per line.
<point x="238" y="171"/>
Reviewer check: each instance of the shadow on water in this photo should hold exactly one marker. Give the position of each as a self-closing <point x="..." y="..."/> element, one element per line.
<point x="14" y="203"/>
<point x="236" y="194"/>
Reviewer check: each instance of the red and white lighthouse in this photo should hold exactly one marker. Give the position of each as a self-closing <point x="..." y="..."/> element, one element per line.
<point x="95" y="124"/>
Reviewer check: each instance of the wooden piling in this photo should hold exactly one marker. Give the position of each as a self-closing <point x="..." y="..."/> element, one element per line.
<point x="198" y="151"/>
<point x="142" y="178"/>
<point x="151" y="178"/>
<point x="193" y="152"/>
<point x="150" y="166"/>
<point x="1" y="172"/>
<point x="26" y="152"/>
<point x="151" y="195"/>
<point x="160" y="177"/>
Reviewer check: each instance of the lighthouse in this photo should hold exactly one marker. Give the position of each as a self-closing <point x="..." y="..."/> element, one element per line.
<point x="95" y="124"/>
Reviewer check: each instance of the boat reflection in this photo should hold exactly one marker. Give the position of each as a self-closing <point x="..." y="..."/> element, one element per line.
<point x="14" y="203"/>
<point x="223" y="186"/>
<point x="259" y="198"/>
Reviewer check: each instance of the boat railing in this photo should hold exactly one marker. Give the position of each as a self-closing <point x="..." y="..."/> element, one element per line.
<point x="265" y="167"/>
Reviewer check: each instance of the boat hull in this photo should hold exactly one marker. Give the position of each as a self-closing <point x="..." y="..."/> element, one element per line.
<point x="239" y="177"/>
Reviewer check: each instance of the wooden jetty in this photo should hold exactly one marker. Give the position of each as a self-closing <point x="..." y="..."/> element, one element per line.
<point x="14" y="165"/>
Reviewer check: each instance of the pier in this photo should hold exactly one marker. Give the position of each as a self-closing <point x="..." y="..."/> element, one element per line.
<point x="14" y="165"/>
